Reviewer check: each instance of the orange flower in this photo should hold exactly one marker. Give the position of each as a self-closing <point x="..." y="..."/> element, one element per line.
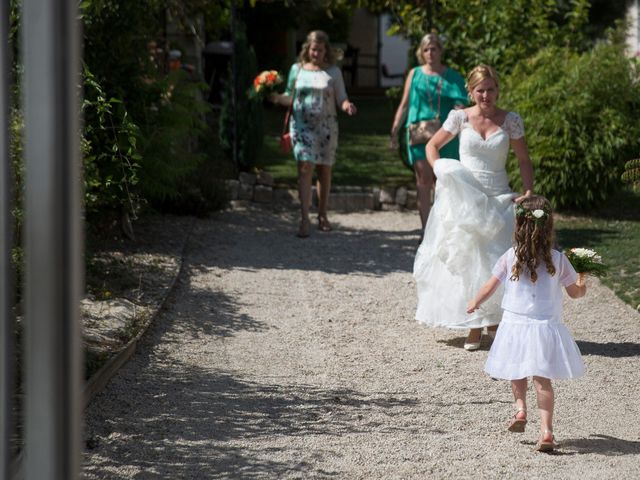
<point x="266" y="80"/>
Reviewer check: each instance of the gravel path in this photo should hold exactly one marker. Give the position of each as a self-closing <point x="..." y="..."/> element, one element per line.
<point x="286" y="358"/>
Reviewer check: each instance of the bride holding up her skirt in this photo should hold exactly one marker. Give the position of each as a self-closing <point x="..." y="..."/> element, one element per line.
<point x="472" y="219"/>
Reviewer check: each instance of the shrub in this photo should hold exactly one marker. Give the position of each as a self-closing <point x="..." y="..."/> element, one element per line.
<point x="170" y="134"/>
<point x="142" y="127"/>
<point x="110" y="151"/>
<point x="580" y="113"/>
<point x="632" y="173"/>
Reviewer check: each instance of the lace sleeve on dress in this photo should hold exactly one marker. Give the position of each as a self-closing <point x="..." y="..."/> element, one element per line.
<point x="500" y="268"/>
<point x="514" y="125"/>
<point x="454" y="121"/>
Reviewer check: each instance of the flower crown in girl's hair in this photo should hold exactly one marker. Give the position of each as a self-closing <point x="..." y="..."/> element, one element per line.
<point x="539" y="216"/>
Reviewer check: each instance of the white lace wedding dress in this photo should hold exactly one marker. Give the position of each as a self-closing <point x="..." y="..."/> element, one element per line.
<point x="469" y="227"/>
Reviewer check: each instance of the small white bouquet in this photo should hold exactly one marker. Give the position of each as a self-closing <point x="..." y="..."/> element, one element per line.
<point x="585" y="260"/>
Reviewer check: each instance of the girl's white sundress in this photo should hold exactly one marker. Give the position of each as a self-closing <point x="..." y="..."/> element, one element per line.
<point x="531" y="339"/>
<point x="469" y="227"/>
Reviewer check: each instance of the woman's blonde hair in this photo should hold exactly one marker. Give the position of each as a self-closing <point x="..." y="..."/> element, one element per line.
<point x="533" y="237"/>
<point x="480" y="74"/>
<point x="426" y="40"/>
<point x="317" y="36"/>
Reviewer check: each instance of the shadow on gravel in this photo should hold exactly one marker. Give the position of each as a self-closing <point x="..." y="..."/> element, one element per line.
<point x="458" y="342"/>
<point x="181" y="421"/>
<point x="603" y="445"/>
<point x="211" y="312"/>
<point x="263" y="240"/>
<point x="609" y="349"/>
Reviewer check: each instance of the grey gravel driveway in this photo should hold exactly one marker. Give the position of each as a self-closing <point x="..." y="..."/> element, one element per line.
<point x="285" y="358"/>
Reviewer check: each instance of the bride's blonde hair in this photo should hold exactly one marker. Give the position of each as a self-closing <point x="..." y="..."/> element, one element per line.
<point x="478" y="75"/>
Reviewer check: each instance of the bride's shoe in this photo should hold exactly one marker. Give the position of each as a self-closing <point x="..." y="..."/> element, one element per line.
<point x="517" y="424"/>
<point x="472" y="346"/>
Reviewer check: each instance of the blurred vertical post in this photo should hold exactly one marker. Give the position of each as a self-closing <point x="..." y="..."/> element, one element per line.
<point x="234" y="86"/>
<point x="7" y="363"/>
<point x="53" y="250"/>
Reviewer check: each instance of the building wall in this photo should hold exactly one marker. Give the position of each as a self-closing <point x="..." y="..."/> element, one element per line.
<point x="394" y="53"/>
<point x="363" y="35"/>
<point x="633" y="36"/>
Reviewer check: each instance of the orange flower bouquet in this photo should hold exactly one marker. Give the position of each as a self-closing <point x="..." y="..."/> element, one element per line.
<point x="265" y="83"/>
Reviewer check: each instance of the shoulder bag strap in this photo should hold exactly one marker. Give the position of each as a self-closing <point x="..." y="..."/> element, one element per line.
<point x="439" y="91"/>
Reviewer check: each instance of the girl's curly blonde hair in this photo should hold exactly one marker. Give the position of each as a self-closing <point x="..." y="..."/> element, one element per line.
<point x="317" y="36"/>
<point x="533" y="238"/>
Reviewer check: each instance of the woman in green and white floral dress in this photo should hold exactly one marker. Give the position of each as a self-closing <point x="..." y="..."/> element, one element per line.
<point x="316" y="87"/>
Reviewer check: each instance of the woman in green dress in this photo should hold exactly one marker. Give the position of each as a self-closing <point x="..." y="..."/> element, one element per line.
<point x="431" y="91"/>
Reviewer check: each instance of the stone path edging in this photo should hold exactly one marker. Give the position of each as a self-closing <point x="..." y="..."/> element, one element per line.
<point x="96" y="383"/>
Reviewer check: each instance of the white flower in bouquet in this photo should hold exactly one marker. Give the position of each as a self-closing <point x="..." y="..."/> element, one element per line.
<point x="585" y="260"/>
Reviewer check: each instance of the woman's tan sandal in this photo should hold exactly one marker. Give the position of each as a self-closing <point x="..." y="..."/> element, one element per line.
<point x="517" y="424"/>
<point x="323" y="224"/>
<point x="546" y="446"/>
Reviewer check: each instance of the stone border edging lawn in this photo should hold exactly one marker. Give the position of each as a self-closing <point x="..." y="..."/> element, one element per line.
<point x="260" y="188"/>
<point x="99" y="380"/>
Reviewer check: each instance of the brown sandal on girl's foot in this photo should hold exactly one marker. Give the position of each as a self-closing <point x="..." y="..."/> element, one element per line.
<point x="517" y="424"/>
<point x="303" y="230"/>
<point x="323" y="224"/>
<point x="546" y="446"/>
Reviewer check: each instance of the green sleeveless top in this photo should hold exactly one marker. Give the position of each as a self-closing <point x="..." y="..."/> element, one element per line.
<point x="423" y="105"/>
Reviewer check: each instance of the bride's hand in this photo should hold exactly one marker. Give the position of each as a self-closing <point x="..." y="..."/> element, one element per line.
<point x="518" y="199"/>
<point x="472" y="306"/>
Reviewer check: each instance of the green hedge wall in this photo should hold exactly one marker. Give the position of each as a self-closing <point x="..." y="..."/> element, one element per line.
<point x="581" y="121"/>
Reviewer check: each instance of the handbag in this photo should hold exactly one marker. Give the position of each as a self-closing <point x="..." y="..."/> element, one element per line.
<point x="286" y="145"/>
<point x="422" y="131"/>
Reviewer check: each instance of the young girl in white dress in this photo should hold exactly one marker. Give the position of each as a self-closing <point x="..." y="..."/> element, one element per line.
<point x="531" y="340"/>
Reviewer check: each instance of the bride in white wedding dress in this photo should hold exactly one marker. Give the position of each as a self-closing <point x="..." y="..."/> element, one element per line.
<point x="472" y="219"/>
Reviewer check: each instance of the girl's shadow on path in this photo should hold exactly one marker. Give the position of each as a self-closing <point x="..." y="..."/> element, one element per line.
<point x="602" y="444"/>
<point x="609" y="349"/>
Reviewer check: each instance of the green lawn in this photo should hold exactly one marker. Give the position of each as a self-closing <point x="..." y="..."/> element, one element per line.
<point x="614" y="232"/>
<point x="364" y="157"/>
